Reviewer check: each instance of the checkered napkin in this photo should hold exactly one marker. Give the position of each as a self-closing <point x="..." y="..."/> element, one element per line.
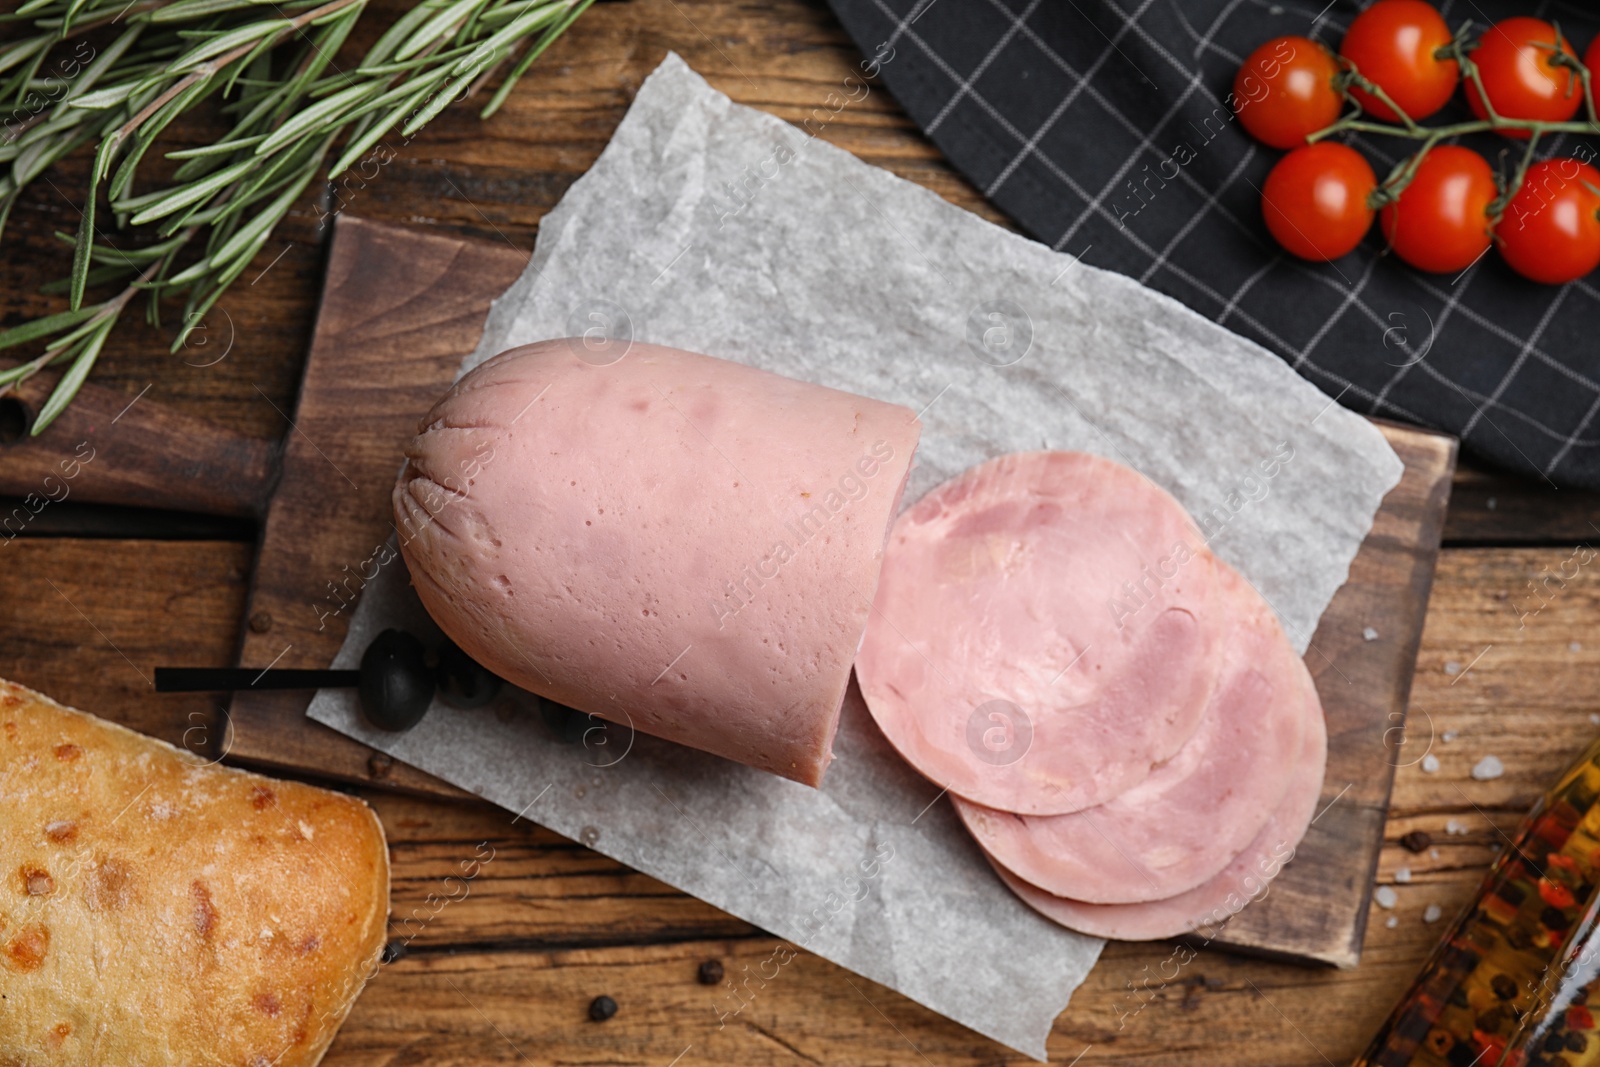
<point x="1099" y="125"/>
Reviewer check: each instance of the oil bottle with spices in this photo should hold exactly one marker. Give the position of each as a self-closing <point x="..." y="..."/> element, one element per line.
<point x="1516" y="980"/>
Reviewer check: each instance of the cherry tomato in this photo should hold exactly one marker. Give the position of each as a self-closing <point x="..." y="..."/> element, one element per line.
<point x="1392" y="44"/>
<point x="1315" y="200"/>
<point x="1284" y="91"/>
<point x="1441" y="221"/>
<point x="1550" y="231"/>
<point x="1591" y="56"/>
<point x="1514" y="59"/>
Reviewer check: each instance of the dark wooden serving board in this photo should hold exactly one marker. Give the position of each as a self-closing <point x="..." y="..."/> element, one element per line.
<point x="401" y="307"/>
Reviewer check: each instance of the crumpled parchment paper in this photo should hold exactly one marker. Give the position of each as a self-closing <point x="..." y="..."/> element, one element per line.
<point x="718" y="228"/>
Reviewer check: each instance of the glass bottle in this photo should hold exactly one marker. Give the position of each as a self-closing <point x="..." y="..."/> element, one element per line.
<point x="1512" y="981"/>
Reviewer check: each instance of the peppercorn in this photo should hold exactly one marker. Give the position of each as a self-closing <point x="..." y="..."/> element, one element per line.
<point x="710" y="972"/>
<point x="1417" y="840"/>
<point x="602" y="1008"/>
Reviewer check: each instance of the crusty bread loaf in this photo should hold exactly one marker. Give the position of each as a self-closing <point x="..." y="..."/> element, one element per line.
<point x="156" y="910"/>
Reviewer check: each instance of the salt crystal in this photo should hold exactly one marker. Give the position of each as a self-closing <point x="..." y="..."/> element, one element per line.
<point x="1403" y="875"/>
<point x="1452" y="826"/>
<point x="1431" y="913"/>
<point x="1448" y="736"/>
<point x="1452" y="667"/>
<point x="1391" y="922"/>
<point x="1433" y="853"/>
<point x="1491" y="503"/>
<point x="1575" y="647"/>
<point x="1594" y="718"/>
<point x="1430" y="764"/>
<point x="1370" y="634"/>
<point x="1386" y="896"/>
<point x="1488" y="768"/>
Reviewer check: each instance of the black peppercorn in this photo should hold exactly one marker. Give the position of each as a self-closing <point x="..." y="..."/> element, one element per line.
<point x="1417" y="840"/>
<point x="394" y="951"/>
<point x="710" y="972"/>
<point x="602" y="1008"/>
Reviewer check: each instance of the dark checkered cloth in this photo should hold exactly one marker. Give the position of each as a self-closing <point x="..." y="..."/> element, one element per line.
<point x="1099" y="125"/>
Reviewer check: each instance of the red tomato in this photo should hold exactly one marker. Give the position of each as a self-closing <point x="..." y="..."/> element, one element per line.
<point x="1284" y="91"/>
<point x="1315" y="200"/>
<point x="1550" y="233"/>
<point x="1441" y="221"/>
<point x="1514" y="60"/>
<point x="1591" y="56"/>
<point x="1392" y="44"/>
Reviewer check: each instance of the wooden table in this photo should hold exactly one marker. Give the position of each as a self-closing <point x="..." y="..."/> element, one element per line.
<point x="503" y="970"/>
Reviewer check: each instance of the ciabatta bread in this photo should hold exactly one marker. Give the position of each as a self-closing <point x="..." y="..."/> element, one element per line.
<point x="158" y="910"/>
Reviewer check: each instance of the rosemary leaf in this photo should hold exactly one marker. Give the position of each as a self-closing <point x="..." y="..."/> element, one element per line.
<point x="166" y="201"/>
<point x="441" y="25"/>
<point x="73" y="379"/>
<point x="33" y="331"/>
<point x="314" y="117"/>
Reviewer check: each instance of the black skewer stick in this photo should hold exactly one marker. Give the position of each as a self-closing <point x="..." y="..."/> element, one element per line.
<point x="205" y="679"/>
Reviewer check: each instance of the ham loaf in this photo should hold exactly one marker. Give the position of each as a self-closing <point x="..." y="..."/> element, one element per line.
<point x="681" y="544"/>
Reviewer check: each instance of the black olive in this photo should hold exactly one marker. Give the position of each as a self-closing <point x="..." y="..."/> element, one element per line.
<point x="396" y="684"/>
<point x="463" y="681"/>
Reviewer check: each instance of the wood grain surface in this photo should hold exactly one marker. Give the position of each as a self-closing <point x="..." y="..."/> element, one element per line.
<point x="502" y="971"/>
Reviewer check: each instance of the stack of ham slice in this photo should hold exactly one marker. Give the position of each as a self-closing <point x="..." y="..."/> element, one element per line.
<point x="1117" y="714"/>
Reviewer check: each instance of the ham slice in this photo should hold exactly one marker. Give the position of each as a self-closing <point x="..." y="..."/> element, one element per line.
<point x="673" y="542"/>
<point x="1206" y="908"/>
<point x="1044" y="632"/>
<point x="1200" y="809"/>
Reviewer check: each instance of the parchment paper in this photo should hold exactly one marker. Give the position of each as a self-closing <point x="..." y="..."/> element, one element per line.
<point x="714" y="227"/>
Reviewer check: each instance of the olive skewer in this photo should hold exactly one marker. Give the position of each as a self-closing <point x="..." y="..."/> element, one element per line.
<point x="395" y="682"/>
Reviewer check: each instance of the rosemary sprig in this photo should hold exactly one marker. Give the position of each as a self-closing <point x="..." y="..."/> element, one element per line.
<point x="290" y="104"/>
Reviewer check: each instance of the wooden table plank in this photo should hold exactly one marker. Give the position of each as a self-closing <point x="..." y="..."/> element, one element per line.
<point x="1490" y="507"/>
<point x="87" y="621"/>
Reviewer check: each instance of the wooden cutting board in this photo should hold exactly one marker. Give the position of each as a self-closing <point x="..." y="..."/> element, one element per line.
<point x="401" y="307"/>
